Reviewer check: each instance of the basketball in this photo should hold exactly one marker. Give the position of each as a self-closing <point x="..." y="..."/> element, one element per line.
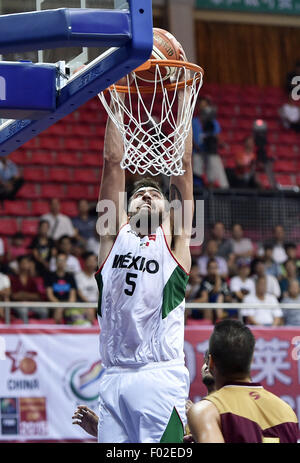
<point x="165" y="46"/>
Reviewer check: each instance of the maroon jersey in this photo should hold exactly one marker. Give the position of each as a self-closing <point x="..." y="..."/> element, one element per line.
<point x="249" y="413"/>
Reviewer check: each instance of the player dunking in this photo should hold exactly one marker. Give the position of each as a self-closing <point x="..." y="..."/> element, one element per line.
<point x="141" y="304"/>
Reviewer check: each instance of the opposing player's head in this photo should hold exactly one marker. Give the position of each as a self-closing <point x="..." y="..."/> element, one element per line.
<point x="207" y="378"/>
<point x="231" y="348"/>
<point x="147" y="205"/>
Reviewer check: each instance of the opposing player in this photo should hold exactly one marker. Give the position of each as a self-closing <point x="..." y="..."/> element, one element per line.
<point x="141" y="303"/>
<point x="240" y="410"/>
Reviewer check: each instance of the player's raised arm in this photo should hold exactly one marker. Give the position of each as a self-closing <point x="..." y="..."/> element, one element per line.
<point x="181" y="189"/>
<point x="111" y="206"/>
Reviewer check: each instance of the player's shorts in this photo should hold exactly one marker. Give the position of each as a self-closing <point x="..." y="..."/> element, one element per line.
<point x="143" y="405"/>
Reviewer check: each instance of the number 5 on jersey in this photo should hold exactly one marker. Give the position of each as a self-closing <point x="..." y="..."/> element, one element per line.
<point x="130" y="282"/>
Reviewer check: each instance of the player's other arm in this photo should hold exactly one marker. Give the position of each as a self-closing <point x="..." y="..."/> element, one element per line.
<point x="181" y="190"/>
<point x="111" y="196"/>
<point x="204" y="423"/>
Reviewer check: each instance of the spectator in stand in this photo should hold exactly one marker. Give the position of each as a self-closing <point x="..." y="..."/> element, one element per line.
<point x="4" y="291"/>
<point x="64" y="245"/>
<point x="84" y="224"/>
<point x="278" y="242"/>
<point x="87" y="288"/>
<point x="194" y="283"/>
<point x="16" y="248"/>
<point x="42" y="248"/>
<point x="242" y="247"/>
<point x="262" y="316"/>
<point x="211" y="253"/>
<point x="290" y="273"/>
<point x="290" y="75"/>
<point x="243" y="174"/>
<point x="241" y="285"/>
<point x="224" y="246"/>
<point x="213" y="289"/>
<point x="93" y="244"/>
<point x="24" y="288"/>
<point x="292" y="316"/>
<point x="10" y="179"/>
<point x="259" y="270"/>
<point x="206" y="130"/>
<point x="272" y="268"/>
<point x="291" y="252"/>
<point x="290" y="115"/>
<point x="61" y="287"/>
<point x="60" y="224"/>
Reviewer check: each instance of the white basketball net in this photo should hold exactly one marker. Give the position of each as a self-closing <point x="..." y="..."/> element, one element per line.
<point x="153" y="129"/>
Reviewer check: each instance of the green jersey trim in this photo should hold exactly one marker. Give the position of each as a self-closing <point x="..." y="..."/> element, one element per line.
<point x="174" y="291"/>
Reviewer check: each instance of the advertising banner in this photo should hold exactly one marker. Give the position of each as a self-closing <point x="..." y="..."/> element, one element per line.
<point x="252" y="6"/>
<point x="46" y="372"/>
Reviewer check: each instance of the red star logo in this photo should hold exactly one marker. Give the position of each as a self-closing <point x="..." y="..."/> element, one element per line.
<point x="18" y="357"/>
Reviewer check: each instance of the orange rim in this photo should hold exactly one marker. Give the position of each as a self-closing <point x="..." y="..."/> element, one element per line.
<point x="151" y="63"/>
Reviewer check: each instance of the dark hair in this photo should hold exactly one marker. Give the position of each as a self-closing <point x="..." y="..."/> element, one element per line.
<point x="41" y="222"/>
<point x="62" y="238"/>
<point x="211" y="261"/>
<point x="18" y="235"/>
<point x="88" y="254"/>
<point x="268" y="246"/>
<point x="231" y="346"/>
<point x="24" y="256"/>
<point x="290" y="245"/>
<point x="143" y="183"/>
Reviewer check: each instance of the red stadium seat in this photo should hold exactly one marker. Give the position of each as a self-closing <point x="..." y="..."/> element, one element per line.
<point x="60" y="174"/>
<point x="286" y="152"/>
<point x="29" y="227"/>
<point x="20" y="157"/>
<point x="86" y="175"/>
<point x="263" y="180"/>
<point x="285" y="180"/>
<point x="17" y="208"/>
<point x="83" y="130"/>
<point x="92" y="159"/>
<point x="9" y="226"/>
<point x="31" y="144"/>
<point x="49" y="142"/>
<point x="69" y="208"/>
<point x="67" y="159"/>
<point x="77" y="192"/>
<point x="289" y="138"/>
<point x="44" y="158"/>
<point x="249" y="111"/>
<point x="75" y="144"/>
<point x="284" y="166"/>
<point x="34" y="174"/>
<point x="52" y="190"/>
<point x="96" y="144"/>
<point x="28" y="191"/>
<point x="244" y="124"/>
<point x="40" y="207"/>
<point x="58" y="129"/>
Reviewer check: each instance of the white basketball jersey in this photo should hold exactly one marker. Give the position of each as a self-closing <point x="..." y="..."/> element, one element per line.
<point x="141" y="301"/>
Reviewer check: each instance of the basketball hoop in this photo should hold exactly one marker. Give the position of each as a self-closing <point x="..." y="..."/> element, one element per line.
<point x="153" y="126"/>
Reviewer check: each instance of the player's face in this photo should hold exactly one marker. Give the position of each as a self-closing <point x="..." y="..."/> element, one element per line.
<point x="147" y="200"/>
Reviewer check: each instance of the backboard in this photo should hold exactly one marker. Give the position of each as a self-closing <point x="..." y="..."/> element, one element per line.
<point x="43" y="43"/>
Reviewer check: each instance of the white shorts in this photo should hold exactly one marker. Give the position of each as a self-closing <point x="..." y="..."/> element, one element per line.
<point x="143" y="405"/>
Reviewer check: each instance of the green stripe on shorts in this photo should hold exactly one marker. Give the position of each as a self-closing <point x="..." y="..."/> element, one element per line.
<point x="174" y="430"/>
